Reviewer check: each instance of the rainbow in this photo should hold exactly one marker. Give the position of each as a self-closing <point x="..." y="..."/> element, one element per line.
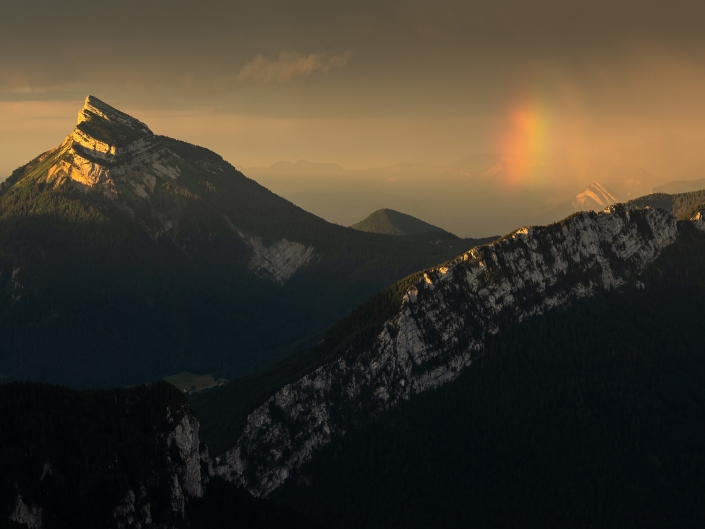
<point x="525" y="143"/>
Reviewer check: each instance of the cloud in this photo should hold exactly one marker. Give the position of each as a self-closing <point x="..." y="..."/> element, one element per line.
<point x="288" y="66"/>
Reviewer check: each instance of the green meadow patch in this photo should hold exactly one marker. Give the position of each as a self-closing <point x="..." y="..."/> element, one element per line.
<point x="191" y="382"/>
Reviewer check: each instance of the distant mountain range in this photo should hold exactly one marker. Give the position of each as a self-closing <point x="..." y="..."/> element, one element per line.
<point x="392" y="222"/>
<point x="298" y="168"/>
<point x="692" y="179"/>
<point x="479" y="194"/>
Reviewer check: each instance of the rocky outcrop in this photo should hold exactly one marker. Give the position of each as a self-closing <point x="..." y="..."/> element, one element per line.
<point x="440" y="327"/>
<point x="108" y="148"/>
<point x="189" y="469"/>
<point x="698" y="220"/>
<point x="279" y="261"/>
<point x="28" y="515"/>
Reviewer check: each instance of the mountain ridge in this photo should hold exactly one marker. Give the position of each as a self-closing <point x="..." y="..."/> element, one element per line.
<point x="557" y="414"/>
<point x="432" y="327"/>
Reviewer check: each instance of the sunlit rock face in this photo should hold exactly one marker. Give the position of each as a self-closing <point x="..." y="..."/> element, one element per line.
<point x="108" y="148"/>
<point x="440" y="327"/>
<point x="698" y="220"/>
<point x="27" y="515"/>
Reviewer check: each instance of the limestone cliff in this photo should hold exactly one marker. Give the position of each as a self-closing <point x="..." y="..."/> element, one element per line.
<point x="109" y="150"/>
<point x="188" y="471"/>
<point x="440" y="327"/>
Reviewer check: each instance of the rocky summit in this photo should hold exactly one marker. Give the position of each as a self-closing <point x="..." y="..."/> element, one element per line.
<point x="111" y="152"/>
<point x="116" y="156"/>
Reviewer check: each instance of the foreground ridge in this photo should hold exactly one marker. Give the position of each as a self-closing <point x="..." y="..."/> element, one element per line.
<point x="440" y="327"/>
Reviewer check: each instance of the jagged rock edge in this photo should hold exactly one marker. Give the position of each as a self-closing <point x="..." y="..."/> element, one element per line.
<point x="441" y="326"/>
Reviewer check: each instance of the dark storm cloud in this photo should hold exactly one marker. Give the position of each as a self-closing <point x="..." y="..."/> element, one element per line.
<point x="204" y="45"/>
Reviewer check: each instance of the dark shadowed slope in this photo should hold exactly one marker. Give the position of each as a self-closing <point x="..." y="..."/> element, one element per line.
<point x="681" y="205"/>
<point x="392" y="222"/>
<point x="114" y="458"/>
<point x="418" y="335"/>
<point x="127" y="256"/>
<point x="586" y="417"/>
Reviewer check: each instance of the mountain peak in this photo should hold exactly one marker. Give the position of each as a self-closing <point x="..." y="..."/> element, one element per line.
<point x="108" y="150"/>
<point x="594" y="197"/>
<point x="393" y="222"/>
<point x="107" y="125"/>
<point x="95" y="108"/>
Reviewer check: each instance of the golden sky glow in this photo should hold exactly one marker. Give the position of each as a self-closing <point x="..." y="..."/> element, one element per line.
<point x="561" y="93"/>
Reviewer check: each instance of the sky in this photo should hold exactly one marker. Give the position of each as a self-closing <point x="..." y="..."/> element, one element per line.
<point x="369" y="83"/>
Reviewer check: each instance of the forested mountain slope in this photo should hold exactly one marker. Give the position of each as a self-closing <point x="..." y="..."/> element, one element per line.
<point x="124" y="458"/>
<point x="681" y="205"/>
<point x="586" y="417"/>
<point x="126" y="256"/>
<point x="419" y="335"/>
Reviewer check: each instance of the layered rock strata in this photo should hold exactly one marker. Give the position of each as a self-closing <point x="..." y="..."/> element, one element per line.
<point x="440" y="327"/>
<point x="114" y="155"/>
<point x="108" y="148"/>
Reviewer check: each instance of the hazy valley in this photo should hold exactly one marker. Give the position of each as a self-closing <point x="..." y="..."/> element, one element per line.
<point x="471" y="197"/>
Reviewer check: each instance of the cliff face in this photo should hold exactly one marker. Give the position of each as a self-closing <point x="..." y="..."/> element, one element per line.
<point x="441" y="325"/>
<point x="110" y="151"/>
<point x="116" y="458"/>
<point x="185" y="476"/>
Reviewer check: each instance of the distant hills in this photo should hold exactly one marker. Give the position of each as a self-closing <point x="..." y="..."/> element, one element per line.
<point x="692" y="179"/>
<point x="471" y="197"/>
<point x="681" y="186"/>
<point x="479" y="194"/>
<point x="682" y="205"/>
<point x="298" y="168"/>
<point x="392" y="222"/>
